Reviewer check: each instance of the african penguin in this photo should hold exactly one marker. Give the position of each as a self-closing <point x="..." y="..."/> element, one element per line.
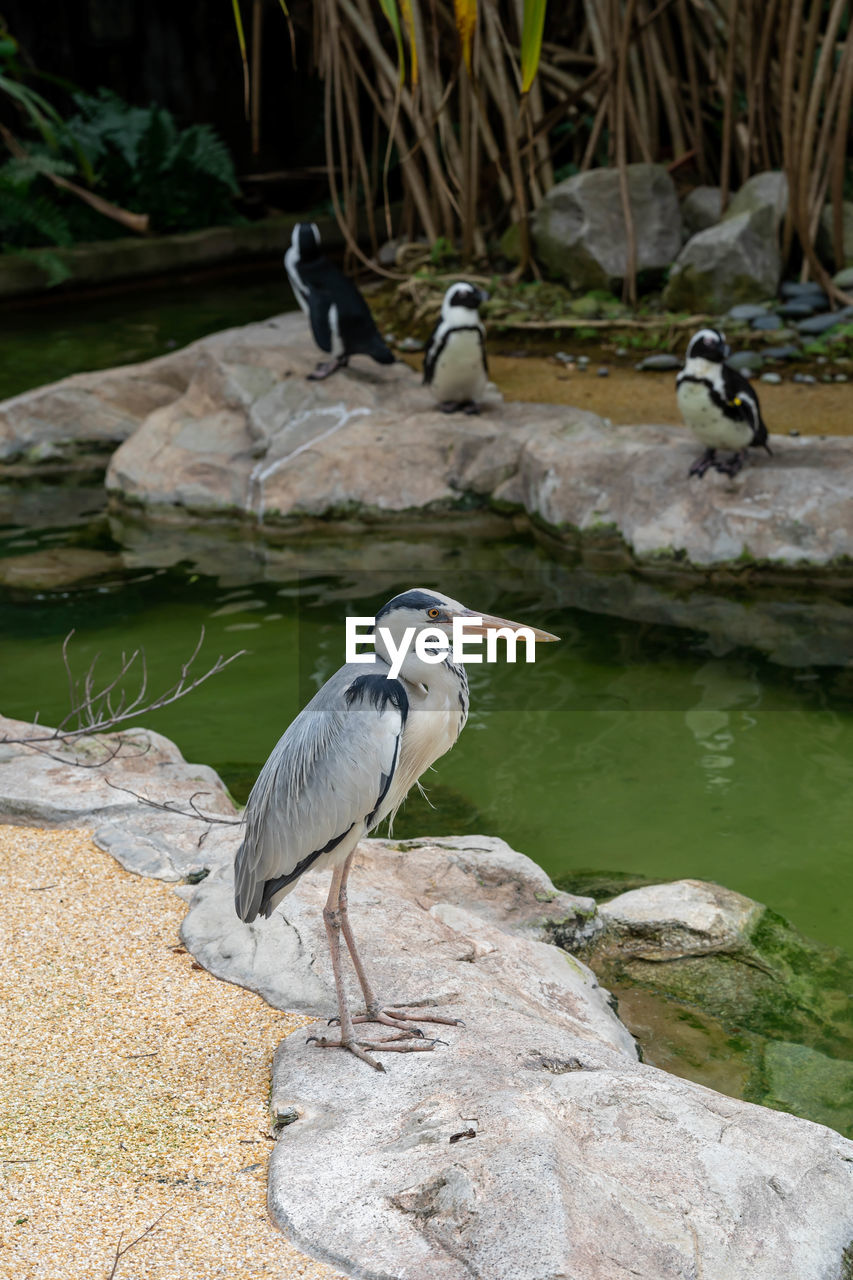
<point x="455" y="367"/>
<point x="340" y="318"/>
<point x="718" y="404"/>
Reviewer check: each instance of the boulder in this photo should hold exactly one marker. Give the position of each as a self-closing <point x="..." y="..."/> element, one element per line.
<point x="702" y="208"/>
<point x="118" y="772"/>
<point x="75" y="424"/>
<point x="530" y="1142"/>
<point x="740" y="978"/>
<point x="579" y="229"/>
<point x="739" y="259"/>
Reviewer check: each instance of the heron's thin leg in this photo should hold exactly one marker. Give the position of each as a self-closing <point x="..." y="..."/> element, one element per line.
<point x="333" y="922"/>
<point x="332" y="919"/>
<point x="374" y="1012"/>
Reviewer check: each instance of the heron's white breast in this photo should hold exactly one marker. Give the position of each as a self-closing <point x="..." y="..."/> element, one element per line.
<point x="459" y="372"/>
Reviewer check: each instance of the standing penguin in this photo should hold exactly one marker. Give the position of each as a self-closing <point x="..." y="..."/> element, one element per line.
<point x="340" y="318"/>
<point x="455" y="368"/>
<point x="718" y="404"/>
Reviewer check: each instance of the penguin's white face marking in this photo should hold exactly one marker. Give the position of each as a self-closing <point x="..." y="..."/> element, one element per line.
<point x="708" y="344"/>
<point x="462" y="296"/>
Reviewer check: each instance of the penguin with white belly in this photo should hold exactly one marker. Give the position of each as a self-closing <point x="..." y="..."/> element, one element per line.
<point x="455" y="368"/>
<point x="718" y="405"/>
<point x="340" y="318"/>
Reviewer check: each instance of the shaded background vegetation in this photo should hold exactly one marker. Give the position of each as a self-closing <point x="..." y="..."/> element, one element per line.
<point x="379" y="112"/>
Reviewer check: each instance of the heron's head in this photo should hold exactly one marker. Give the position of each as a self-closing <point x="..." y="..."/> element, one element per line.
<point x="708" y="344"/>
<point x="306" y="240"/>
<point x="426" y="610"/>
<point x="462" y="296"/>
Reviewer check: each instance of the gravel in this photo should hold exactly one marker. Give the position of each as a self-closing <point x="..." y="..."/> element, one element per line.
<point x="138" y="1085"/>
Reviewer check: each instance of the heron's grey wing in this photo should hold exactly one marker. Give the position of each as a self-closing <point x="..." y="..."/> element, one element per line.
<point x="328" y="774"/>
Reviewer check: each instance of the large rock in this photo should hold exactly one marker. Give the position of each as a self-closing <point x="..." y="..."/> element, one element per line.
<point x="76" y="424"/>
<point x="108" y="782"/>
<point x="736" y="260"/>
<point x="575" y="1159"/>
<point x="249" y="442"/>
<point x="702" y="208"/>
<point x="709" y="976"/>
<point x="579" y="229"/>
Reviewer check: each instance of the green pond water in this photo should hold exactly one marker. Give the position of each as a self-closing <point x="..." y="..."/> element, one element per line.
<point x="627" y="747"/>
<point x="51" y="337"/>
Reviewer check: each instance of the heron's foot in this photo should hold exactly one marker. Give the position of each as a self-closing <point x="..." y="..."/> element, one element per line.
<point x="731" y="466"/>
<point x="399" y="1017"/>
<point x="360" y="1047"/>
<point x="701" y="465"/>
<point x="326" y="368"/>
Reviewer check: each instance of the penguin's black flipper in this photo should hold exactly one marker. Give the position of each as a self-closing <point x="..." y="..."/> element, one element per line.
<point x="318" y="315"/>
<point x="380" y="352"/>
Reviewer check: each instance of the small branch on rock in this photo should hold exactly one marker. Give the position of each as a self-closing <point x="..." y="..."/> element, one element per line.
<point x="572" y="322"/>
<point x="173" y="806"/>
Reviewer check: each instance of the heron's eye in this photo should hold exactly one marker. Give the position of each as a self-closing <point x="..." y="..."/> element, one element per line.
<point x="432" y="613"/>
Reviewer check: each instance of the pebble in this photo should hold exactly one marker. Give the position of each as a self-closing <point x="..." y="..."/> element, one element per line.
<point x="621" y="351"/>
<point x="583" y="361"/>
<point x="411" y="344"/>
<point x="799" y="308"/>
<point x="805" y="377"/>
<point x="844" y="279"/>
<point x="603" y="371"/>
<point x="564" y="357"/>
<point x="766" y="322"/>
<point x="747" y="311"/>
<point x="841" y="377"/>
<point x="820" y="324"/>
<point x="793" y="432"/>
<point x="804" y="289"/>
<point x="661" y="362"/>
<point x="787" y="352"/>
<point x="773" y="378"/>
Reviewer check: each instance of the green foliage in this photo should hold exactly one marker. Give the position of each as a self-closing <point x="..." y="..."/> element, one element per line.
<point x="137" y="157"/>
<point x="182" y="178"/>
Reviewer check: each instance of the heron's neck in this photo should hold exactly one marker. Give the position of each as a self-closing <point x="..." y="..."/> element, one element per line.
<point x="417" y="672"/>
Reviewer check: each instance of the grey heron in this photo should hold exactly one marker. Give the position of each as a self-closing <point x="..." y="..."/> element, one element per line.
<point x="347" y="762"/>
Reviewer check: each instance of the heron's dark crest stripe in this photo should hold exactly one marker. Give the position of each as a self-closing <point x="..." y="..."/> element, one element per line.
<point x="410" y="600"/>
<point x="272" y="887"/>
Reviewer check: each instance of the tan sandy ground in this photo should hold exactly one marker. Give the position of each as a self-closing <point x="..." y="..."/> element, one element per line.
<point x="133" y="1083"/>
<point x="627" y="397"/>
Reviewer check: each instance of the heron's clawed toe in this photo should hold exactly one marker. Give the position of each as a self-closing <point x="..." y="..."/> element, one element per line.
<point x="353" y="1046"/>
<point x="421" y="1016"/>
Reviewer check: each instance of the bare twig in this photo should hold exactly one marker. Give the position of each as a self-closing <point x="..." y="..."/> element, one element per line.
<point x="92" y="709"/>
<point x="172" y="806"/>
<point x="133" y="1243"/>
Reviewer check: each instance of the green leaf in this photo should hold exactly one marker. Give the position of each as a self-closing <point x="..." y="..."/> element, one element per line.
<point x="392" y="13"/>
<point x="532" y="26"/>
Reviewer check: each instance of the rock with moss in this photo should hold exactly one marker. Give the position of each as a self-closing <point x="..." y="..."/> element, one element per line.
<point x="736" y="260"/>
<point x="579" y="231"/>
<point x="724" y="972"/>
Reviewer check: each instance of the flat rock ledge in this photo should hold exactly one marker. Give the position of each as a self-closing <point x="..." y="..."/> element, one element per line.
<point x="530" y="1143"/>
<point x="229" y="431"/>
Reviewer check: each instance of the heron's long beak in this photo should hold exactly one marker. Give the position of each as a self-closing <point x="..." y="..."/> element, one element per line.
<point x="488" y="622"/>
